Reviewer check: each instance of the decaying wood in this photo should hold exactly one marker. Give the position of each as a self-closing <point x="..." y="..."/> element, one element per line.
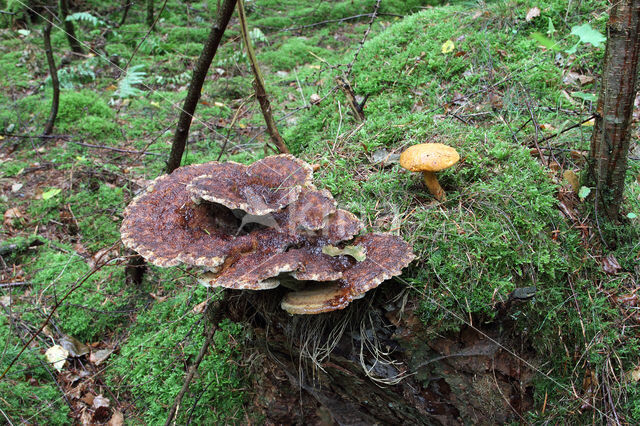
<point x="258" y="84"/>
<point x="195" y="87"/>
<point x="611" y="134"/>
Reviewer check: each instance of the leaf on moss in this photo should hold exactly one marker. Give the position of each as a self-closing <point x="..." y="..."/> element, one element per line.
<point x="57" y="356"/>
<point x="51" y="193"/>
<point x="447" y="47"/>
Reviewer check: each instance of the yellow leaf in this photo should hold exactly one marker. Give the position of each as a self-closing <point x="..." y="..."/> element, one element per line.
<point x="590" y="122"/>
<point x="447" y="47"/>
<point x="218" y="104"/>
<point x="155" y="104"/>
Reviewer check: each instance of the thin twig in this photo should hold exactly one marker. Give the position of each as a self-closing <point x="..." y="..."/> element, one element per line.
<point x="566" y="129"/>
<point x="15" y="284"/>
<point x="110" y="148"/>
<point x="331" y="21"/>
<point x="53" y="310"/>
<point x="233" y="121"/>
<point x="364" y="38"/>
<point x="261" y="92"/>
<point x="145" y="36"/>
<point x="214" y="311"/>
<point x="24" y="136"/>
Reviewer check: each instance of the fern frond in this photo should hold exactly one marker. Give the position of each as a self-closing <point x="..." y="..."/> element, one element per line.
<point x="126" y="87"/>
<point x="85" y="17"/>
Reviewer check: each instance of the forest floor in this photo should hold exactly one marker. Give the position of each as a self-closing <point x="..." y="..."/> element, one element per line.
<point x="469" y="75"/>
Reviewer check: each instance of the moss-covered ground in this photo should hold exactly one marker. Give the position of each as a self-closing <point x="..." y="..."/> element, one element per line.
<point x="468" y="74"/>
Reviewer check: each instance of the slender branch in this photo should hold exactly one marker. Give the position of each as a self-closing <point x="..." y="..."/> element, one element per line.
<point x="24" y="136"/>
<point x="566" y="129"/>
<point x="197" y="81"/>
<point x="331" y="21"/>
<point x="110" y="148"/>
<point x="15" y="284"/>
<point x="55" y="101"/>
<point x="261" y="92"/>
<point x="214" y="311"/>
<point x="364" y="38"/>
<point x="151" y="27"/>
<point x="53" y="310"/>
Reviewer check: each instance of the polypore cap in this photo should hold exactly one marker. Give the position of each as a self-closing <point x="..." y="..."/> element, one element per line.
<point x="322" y="298"/>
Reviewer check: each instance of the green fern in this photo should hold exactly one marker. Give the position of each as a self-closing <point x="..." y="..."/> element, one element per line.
<point x="126" y="87"/>
<point x="85" y="17"/>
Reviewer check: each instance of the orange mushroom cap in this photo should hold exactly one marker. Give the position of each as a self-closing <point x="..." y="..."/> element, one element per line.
<point x="428" y="157"/>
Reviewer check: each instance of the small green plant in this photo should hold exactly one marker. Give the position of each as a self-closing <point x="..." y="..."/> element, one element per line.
<point x="126" y="85"/>
<point x="85" y="17"/>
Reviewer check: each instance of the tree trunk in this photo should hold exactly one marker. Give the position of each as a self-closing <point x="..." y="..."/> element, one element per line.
<point x="612" y="131"/>
<point x="69" y="29"/>
<point x="150" y="13"/>
<point x="199" y="74"/>
<point x="48" y="128"/>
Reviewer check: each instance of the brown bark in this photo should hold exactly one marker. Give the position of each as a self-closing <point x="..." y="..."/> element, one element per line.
<point x="55" y="101"/>
<point x="150" y="13"/>
<point x="258" y="84"/>
<point x="612" y="131"/>
<point x="69" y="29"/>
<point x="199" y="74"/>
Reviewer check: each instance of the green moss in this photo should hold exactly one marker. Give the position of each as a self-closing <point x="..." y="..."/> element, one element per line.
<point x="98" y="127"/>
<point x="29" y="394"/>
<point x="98" y="305"/>
<point x="164" y="338"/>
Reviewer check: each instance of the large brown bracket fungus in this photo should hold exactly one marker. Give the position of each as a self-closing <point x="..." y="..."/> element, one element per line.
<point x="258" y="227"/>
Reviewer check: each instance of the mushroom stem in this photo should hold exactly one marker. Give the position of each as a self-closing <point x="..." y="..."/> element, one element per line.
<point x="434" y="187"/>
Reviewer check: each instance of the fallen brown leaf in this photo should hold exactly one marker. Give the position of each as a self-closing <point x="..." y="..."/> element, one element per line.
<point x="610" y="264"/>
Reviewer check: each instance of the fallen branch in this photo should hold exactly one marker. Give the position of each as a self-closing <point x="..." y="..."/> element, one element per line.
<point x="566" y="129"/>
<point x="110" y="148"/>
<point x="15" y="284"/>
<point x="261" y="92"/>
<point x="364" y="38"/>
<point x="23" y="136"/>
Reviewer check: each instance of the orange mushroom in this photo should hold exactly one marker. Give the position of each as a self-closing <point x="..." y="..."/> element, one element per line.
<point x="429" y="158"/>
